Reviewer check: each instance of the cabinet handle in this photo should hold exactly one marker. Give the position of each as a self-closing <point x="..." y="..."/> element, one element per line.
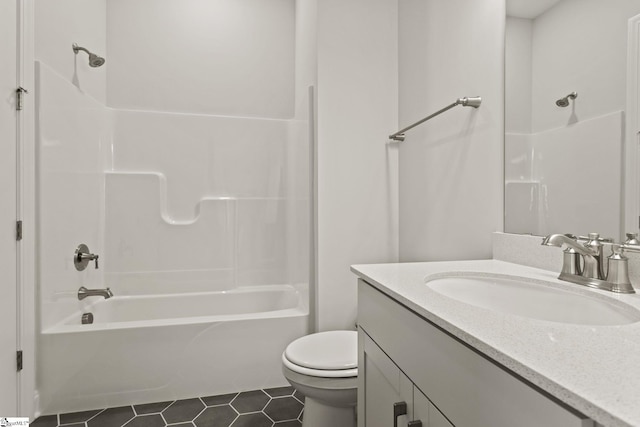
<point x="399" y="408"/>
<point x="415" y="423"/>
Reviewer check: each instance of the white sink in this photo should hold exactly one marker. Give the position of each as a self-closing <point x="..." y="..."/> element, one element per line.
<point x="531" y="298"/>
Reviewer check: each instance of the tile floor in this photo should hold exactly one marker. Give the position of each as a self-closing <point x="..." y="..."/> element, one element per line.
<point x="274" y="407"/>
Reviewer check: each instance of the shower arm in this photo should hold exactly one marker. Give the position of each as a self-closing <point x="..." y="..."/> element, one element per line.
<point x="465" y="102"/>
<point x="77" y="48"/>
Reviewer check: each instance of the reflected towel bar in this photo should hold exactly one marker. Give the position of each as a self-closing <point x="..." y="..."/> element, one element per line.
<point x="465" y="102"/>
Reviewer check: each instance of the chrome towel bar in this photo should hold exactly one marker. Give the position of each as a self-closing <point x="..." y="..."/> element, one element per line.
<point x="465" y="102"/>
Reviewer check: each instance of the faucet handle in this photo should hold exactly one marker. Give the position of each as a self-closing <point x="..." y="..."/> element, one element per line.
<point x="632" y="239"/>
<point x="82" y="256"/>
<point x="596" y="237"/>
<point x="571" y="262"/>
<point x="595" y="242"/>
<point x="618" y="274"/>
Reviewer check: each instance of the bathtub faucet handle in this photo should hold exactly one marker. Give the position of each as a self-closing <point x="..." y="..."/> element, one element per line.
<point x="82" y="257"/>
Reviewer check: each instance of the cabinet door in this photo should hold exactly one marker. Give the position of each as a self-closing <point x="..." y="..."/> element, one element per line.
<point x="381" y="386"/>
<point x="424" y="411"/>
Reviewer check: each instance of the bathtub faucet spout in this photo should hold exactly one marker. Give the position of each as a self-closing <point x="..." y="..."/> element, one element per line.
<point x="84" y="292"/>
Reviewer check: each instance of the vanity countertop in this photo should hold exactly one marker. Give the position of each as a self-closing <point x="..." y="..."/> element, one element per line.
<point x="594" y="369"/>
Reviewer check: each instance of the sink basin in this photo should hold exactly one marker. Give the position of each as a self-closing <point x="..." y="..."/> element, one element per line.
<point x="531" y="298"/>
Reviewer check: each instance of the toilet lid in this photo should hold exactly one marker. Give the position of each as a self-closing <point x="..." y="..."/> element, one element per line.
<point x="333" y="350"/>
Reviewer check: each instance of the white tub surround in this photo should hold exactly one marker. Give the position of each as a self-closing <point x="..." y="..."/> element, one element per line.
<point x="201" y="224"/>
<point x="152" y="348"/>
<point x="592" y="369"/>
<point x="538" y="172"/>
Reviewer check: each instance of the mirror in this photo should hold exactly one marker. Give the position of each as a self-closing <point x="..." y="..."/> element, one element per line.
<point x="565" y="120"/>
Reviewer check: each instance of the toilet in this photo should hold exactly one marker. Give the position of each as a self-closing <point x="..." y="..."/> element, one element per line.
<point x="323" y="367"/>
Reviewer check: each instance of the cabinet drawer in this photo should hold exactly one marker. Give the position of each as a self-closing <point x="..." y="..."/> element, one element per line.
<point x="465" y="386"/>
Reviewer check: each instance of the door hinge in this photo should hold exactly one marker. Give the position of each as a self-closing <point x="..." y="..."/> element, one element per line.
<point x="19" y="360"/>
<point x="18" y="230"/>
<point x="20" y="92"/>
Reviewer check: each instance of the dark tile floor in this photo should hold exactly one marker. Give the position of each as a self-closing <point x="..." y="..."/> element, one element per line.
<point x="274" y="407"/>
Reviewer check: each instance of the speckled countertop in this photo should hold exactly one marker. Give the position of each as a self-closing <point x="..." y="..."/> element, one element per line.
<point x="594" y="369"/>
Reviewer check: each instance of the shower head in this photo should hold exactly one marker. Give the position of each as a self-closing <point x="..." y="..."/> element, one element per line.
<point x="564" y="102"/>
<point x="94" y="60"/>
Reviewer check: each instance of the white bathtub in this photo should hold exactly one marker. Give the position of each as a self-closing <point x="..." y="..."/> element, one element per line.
<point x="153" y="348"/>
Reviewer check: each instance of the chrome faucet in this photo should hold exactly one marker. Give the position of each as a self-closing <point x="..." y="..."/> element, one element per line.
<point x="84" y="292"/>
<point x="592" y="258"/>
<point x="591" y="255"/>
<point x="82" y="256"/>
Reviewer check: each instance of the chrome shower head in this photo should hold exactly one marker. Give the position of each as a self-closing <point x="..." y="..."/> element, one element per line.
<point x="94" y="60"/>
<point x="564" y="102"/>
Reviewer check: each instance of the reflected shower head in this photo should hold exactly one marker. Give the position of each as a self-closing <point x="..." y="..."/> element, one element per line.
<point x="94" y="60"/>
<point x="564" y="102"/>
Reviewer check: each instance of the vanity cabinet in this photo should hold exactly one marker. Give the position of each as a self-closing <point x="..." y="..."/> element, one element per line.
<point x="391" y="398"/>
<point x="444" y="382"/>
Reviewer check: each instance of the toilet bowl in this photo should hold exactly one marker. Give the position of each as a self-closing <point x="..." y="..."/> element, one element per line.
<point x="323" y="367"/>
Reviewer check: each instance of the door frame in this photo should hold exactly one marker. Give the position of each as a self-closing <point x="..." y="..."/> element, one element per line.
<point x="26" y="212"/>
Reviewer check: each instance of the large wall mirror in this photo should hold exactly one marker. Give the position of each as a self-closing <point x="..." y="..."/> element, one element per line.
<point x="566" y="120"/>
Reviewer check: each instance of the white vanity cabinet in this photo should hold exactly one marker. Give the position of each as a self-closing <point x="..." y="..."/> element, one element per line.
<point x="391" y="398"/>
<point x="444" y="382"/>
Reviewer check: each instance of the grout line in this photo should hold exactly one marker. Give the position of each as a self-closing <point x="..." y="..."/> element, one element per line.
<point x="199" y="413"/>
<point x="99" y="412"/>
<point x="267" y="415"/>
<point x="130" y="419"/>
<point x="233" y="400"/>
<point x="163" y="418"/>
<point x="78" y="422"/>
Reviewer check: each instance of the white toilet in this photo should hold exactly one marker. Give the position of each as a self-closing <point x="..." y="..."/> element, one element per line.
<point x="324" y="368"/>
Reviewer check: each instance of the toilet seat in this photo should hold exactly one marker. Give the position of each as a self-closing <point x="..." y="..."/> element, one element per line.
<point x="332" y="354"/>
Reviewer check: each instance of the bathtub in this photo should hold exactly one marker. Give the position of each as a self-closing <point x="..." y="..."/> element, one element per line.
<point x="152" y="348"/>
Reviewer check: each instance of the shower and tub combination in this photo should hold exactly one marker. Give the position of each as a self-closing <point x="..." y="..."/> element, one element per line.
<point x="198" y="228"/>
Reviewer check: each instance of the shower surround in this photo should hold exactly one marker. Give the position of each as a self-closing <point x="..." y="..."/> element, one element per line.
<point x="199" y="220"/>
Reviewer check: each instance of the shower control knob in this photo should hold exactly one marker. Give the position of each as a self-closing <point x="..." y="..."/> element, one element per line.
<point x="82" y="257"/>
